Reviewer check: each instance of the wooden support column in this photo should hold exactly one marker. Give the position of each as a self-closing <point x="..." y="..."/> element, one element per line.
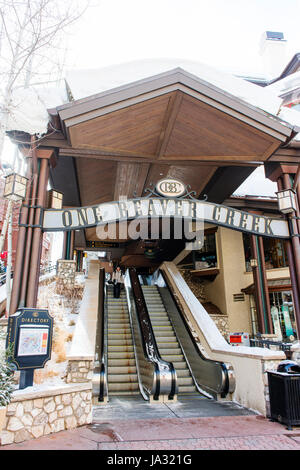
<point x="37" y="235"/>
<point x="29" y="246"/>
<point x="265" y="285"/>
<point x="79" y="256"/>
<point x="27" y="252"/>
<point x="72" y="244"/>
<point x="293" y="253"/>
<point x="69" y="242"/>
<point x="64" y="250"/>
<point x="22" y="235"/>
<point x="257" y="287"/>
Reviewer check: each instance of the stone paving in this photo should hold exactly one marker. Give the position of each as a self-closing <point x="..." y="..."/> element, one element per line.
<point x="225" y="427"/>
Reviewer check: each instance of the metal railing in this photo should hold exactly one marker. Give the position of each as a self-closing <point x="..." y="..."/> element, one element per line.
<point x="101" y="337"/>
<point x="210" y="377"/>
<point x="267" y="343"/>
<point x="43" y="271"/>
<point x="156" y="377"/>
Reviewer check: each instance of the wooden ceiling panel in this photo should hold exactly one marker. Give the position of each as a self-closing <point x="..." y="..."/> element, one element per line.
<point x="135" y="129"/>
<point x="202" y="130"/>
<point x="96" y="179"/>
<point x="196" y="176"/>
<point x="130" y="179"/>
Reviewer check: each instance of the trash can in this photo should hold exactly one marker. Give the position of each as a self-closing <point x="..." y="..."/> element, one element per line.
<point x="284" y="391"/>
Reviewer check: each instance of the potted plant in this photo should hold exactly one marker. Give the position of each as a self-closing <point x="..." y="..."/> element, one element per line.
<point x="6" y="380"/>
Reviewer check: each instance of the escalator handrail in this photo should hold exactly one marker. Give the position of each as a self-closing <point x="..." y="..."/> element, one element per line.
<point x="102" y="319"/>
<point x="149" y="344"/>
<point x="226" y="386"/>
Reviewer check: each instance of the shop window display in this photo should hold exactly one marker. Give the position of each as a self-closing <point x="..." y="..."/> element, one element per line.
<point x="274" y="251"/>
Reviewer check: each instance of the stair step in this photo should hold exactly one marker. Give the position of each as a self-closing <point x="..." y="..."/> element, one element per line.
<point x="168" y="351"/>
<point x="118" y="321"/>
<point x="119" y="336"/>
<point x="186" y="389"/>
<point x="120" y="342"/>
<point x="179" y="365"/>
<point x="167" y="343"/>
<point x="118" y="369"/>
<point x="125" y="355"/>
<point x="185" y="381"/>
<point x="121" y="387"/>
<point x="182" y="372"/>
<point x="174" y="358"/>
<point x="164" y="334"/>
<point x="120" y="348"/>
<point x="122" y="378"/>
<point x="121" y="362"/>
<point x="124" y="392"/>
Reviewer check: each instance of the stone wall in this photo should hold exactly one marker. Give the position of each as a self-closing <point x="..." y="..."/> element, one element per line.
<point x="222" y="323"/>
<point x="35" y="414"/>
<point x="65" y="279"/>
<point x="195" y="284"/>
<point x="80" y="371"/>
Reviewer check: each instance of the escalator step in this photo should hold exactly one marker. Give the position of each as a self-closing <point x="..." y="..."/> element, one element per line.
<point x="118" y="369"/>
<point x="122" y="378"/>
<point x="121" y="362"/>
<point x="125" y="355"/>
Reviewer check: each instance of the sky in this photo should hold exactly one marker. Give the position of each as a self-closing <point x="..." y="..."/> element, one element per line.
<point x="223" y="33"/>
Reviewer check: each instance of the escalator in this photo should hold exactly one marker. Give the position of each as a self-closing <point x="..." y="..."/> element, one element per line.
<point x="144" y="346"/>
<point x="121" y="366"/>
<point x="168" y="345"/>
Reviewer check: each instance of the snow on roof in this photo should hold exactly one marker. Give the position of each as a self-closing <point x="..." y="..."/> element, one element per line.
<point x="285" y="85"/>
<point x="83" y="83"/>
<point x="29" y="106"/>
<point x="28" y="109"/>
<point x="257" y="185"/>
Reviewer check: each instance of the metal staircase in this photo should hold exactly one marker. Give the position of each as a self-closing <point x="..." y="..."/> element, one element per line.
<point x="121" y="374"/>
<point x="166" y="340"/>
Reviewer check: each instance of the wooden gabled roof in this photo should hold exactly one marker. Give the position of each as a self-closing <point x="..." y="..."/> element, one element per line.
<point x="119" y="142"/>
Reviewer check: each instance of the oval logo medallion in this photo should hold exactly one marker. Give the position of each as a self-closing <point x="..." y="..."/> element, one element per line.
<point x="170" y="187"/>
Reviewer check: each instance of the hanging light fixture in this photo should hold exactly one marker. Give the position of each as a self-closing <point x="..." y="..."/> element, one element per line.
<point x="286" y="201"/>
<point x="15" y="187"/>
<point x="55" y="199"/>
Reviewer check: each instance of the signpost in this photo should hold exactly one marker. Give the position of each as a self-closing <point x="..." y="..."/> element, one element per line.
<point x="30" y="330"/>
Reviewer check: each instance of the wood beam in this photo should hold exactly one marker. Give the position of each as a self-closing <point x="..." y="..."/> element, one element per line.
<point x="169" y="121"/>
<point x="130" y="179"/>
<point x="108" y="155"/>
<point x="206" y="161"/>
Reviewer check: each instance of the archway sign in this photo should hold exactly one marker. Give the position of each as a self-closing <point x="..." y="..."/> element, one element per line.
<point x="169" y="199"/>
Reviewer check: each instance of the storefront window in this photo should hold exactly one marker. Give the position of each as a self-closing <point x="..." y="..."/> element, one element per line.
<point x="282" y="302"/>
<point x="275" y="254"/>
<point x="274" y="251"/>
<point x="207" y="256"/>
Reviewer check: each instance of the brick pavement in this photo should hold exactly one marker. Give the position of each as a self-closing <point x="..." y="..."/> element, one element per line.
<point x="214" y="433"/>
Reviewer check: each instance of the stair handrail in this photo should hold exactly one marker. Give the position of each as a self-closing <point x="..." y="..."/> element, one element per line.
<point x="164" y="380"/>
<point x="101" y="340"/>
<point x="226" y="383"/>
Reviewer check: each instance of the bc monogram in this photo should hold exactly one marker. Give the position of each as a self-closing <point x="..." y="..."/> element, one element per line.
<point x="170" y="188"/>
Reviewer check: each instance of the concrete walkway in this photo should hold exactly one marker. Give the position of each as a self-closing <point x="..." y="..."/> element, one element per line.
<point x="187" y="425"/>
